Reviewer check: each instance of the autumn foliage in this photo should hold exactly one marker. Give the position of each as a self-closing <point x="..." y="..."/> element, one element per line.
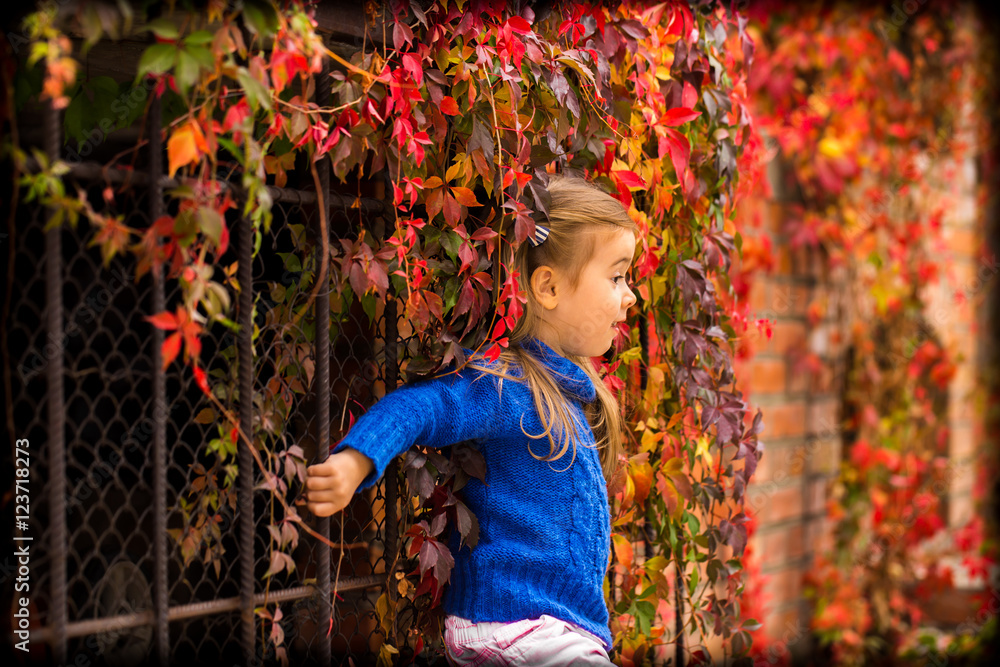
<point x="463" y="108"/>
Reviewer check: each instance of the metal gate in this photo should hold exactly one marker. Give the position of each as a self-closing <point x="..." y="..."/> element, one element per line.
<point x="117" y="446"/>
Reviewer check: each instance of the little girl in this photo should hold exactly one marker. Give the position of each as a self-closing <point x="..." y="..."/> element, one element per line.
<point x="531" y="591"/>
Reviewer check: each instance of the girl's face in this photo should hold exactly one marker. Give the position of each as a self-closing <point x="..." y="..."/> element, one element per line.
<point x="582" y="319"/>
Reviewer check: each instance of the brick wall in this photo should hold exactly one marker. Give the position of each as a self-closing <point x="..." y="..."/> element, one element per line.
<point x="802" y="403"/>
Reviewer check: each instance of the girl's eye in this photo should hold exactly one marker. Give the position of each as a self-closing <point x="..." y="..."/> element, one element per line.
<point x="618" y="279"/>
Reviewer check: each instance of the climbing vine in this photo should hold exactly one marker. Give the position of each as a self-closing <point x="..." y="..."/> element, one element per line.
<point x="463" y="109"/>
<point x="863" y="106"/>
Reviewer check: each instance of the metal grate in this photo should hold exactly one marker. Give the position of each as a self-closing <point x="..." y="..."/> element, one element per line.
<point x="122" y="444"/>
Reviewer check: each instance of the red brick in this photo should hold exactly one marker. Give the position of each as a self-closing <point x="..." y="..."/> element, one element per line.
<point x="819" y="535"/>
<point x="824" y="458"/>
<point x="781" y="544"/>
<point x="780" y="463"/>
<point x="960" y="509"/>
<point x="775" y="217"/>
<point x="963" y="442"/>
<point x="963" y="477"/>
<point x="784" y="421"/>
<point x="825" y="380"/>
<point x="816" y="491"/>
<point x="786" y="300"/>
<point x="773" y="504"/>
<point x="760" y="294"/>
<point x="784" y="585"/>
<point x="799" y="379"/>
<point x="767" y="376"/>
<point x="822" y="418"/>
<point x="786" y="336"/>
<point x="964" y="242"/>
<point x="785" y="628"/>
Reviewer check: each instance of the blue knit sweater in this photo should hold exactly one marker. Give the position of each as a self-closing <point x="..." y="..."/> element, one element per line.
<point x="544" y="540"/>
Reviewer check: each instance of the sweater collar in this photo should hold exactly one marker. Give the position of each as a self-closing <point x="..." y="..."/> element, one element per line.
<point x="568" y="375"/>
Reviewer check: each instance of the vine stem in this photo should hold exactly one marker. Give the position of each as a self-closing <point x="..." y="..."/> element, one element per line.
<point x="290" y="511"/>
<point x="324" y="260"/>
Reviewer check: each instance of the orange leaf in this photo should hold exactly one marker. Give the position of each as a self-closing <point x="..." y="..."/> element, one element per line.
<point x="449" y="106"/>
<point x="465" y="196"/>
<point x="623" y="550"/>
<point x="182" y="147"/>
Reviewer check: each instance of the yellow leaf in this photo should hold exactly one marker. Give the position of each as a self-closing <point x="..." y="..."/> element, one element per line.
<point x="182" y="147"/>
<point x="454" y="171"/>
<point x="649" y="440"/>
<point x="831" y="147"/>
<point x="702" y="449"/>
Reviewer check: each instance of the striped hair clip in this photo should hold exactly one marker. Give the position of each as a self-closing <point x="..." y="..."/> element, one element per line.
<point x="541" y="233"/>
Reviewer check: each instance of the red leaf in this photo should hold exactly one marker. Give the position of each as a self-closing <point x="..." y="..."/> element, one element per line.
<point x="412" y="65"/>
<point x="170" y="348"/>
<point x="519" y="25"/>
<point x="235" y="115"/>
<point x="452" y="211"/>
<point x="629" y="178"/>
<point x="679" y="148"/>
<point x="689" y="96"/>
<point x="449" y="106"/>
<point x="465" y="298"/>
<point x="483" y="233"/>
<point x="166" y="321"/>
<point x="199" y="377"/>
<point x="498" y="329"/>
<point x="678" y="116"/>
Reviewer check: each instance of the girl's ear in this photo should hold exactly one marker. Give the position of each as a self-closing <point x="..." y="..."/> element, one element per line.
<point x="544" y="287"/>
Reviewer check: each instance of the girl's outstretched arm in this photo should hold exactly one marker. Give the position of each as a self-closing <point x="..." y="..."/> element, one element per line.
<point x="330" y="485"/>
<point x="440" y="412"/>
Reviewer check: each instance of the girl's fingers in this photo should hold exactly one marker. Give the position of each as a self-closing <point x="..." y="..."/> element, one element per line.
<point x="322" y="509"/>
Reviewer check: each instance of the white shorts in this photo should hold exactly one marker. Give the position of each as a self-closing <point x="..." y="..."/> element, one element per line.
<point x="541" y="642"/>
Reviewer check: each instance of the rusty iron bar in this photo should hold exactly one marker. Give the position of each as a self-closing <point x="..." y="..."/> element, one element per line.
<point x="197" y="609"/>
<point x="59" y="612"/>
<point x="245" y="464"/>
<point x="391" y="473"/>
<point x="93" y="171"/>
<point x="161" y="586"/>
<point x="321" y="350"/>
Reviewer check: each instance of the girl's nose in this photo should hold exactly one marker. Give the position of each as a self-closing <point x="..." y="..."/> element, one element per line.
<point x="629" y="299"/>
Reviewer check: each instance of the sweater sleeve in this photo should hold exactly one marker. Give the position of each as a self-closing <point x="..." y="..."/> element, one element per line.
<point x="439" y="412"/>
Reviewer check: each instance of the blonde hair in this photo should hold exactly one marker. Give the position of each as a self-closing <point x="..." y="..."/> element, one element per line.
<point x="576" y="211"/>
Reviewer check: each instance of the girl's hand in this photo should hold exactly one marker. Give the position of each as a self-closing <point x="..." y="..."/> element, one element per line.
<point x="330" y="485"/>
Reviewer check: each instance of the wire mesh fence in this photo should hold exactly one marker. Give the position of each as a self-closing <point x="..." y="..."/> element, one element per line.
<point x="139" y="555"/>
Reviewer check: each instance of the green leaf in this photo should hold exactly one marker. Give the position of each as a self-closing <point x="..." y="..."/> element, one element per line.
<point x="187" y="71"/>
<point x="157" y="59"/>
<point x="199" y="38"/>
<point x="257" y="95"/>
<point x="693" y="581"/>
<point x="201" y="54"/>
<point x="260" y="17"/>
<point x="210" y="223"/>
<point x="163" y="28"/>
